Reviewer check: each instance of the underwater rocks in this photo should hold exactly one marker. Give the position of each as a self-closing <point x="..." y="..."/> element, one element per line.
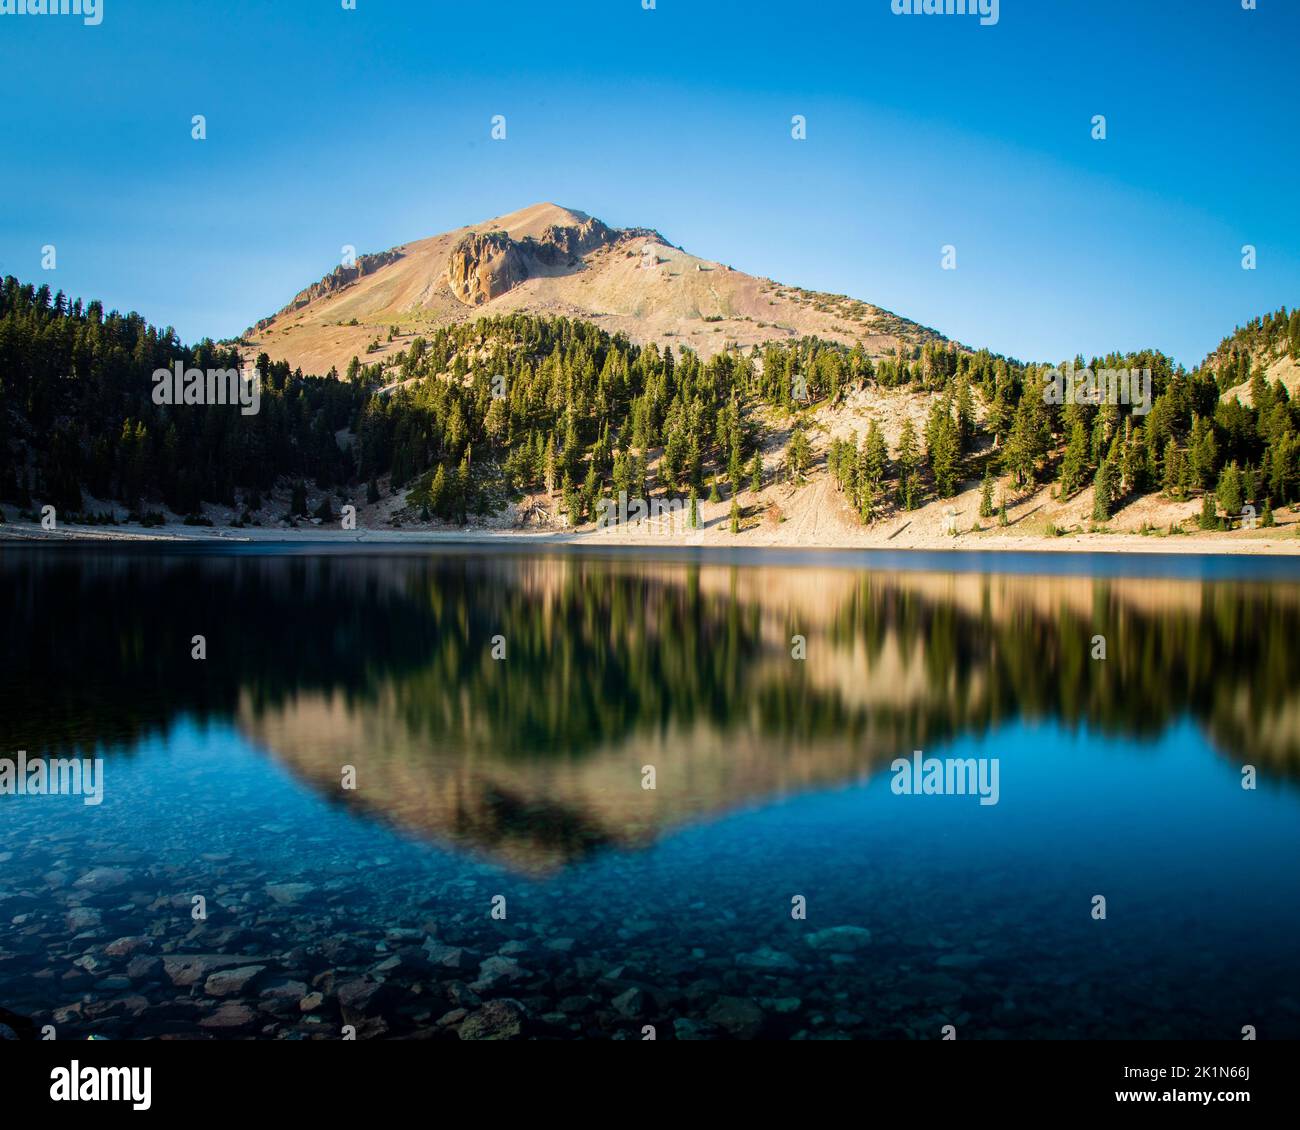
<point x="230" y="1015"/>
<point x="327" y="942"/>
<point x="226" y="982"/>
<point x="765" y="957"/>
<point x="124" y="947"/>
<point x="288" y="894"/>
<point x="501" y="1019"/>
<point x="737" y="1016"/>
<point x="188" y="969"/>
<point x="81" y="918"/>
<point x="840" y="939"/>
<point x="102" y="879"/>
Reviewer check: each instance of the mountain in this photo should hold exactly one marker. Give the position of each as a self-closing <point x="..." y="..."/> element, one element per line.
<point x="554" y="261"/>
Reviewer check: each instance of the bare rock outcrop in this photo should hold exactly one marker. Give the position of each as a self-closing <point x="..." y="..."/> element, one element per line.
<point x="484" y="265"/>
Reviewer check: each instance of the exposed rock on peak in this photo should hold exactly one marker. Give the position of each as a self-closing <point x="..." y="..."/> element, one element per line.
<point x="485" y="265"/>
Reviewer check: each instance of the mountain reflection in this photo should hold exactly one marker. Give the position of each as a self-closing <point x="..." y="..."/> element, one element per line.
<point x="535" y="759"/>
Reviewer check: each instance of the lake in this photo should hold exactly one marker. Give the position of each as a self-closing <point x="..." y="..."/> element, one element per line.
<point x="457" y="791"/>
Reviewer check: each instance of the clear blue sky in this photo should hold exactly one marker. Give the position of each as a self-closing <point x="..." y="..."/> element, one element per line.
<point x="371" y="127"/>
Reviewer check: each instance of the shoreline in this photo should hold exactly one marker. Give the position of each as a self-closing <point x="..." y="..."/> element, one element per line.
<point x="985" y="542"/>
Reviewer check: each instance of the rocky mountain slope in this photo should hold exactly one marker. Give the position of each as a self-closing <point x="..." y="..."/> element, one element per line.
<point x="550" y="260"/>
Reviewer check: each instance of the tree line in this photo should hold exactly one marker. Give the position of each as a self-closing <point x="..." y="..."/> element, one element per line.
<point x="477" y="413"/>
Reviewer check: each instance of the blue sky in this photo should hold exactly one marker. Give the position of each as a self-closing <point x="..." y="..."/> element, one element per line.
<point x="371" y="127"/>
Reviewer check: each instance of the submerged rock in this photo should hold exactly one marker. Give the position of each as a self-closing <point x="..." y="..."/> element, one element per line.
<point x="840" y="939"/>
<point x="630" y="1004"/>
<point x="286" y="894"/>
<point x="495" y="970"/>
<point x="229" y="1015"/>
<point x="738" y="1016"/>
<point x="497" y="1020"/>
<point x="81" y="918"/>
<point x="103" y="879"/>
<point x="226" y="982"/>
<point x="189" y="968"/>
<point x="765" y="957"/>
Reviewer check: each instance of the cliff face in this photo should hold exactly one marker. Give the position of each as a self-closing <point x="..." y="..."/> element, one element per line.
<point x="482" y="267"/>
<point x="485" y="265"/>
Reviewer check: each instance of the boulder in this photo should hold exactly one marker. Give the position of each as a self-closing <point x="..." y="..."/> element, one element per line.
<point x="501" y="1019"/>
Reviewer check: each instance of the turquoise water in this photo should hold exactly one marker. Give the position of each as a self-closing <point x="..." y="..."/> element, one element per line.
<point x="627" y="909"/>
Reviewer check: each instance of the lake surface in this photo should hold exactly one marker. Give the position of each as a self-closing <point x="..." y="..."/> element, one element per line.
<point x="381" y="750"/>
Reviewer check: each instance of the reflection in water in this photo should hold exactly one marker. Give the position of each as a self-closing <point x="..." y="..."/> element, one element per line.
<point x="386" y="663"/>
<point x="522" y="776"/>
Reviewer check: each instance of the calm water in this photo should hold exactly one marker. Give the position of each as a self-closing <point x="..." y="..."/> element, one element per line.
<point x="482" y="779"/>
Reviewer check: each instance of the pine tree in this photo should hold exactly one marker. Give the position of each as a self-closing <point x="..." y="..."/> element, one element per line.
<point x="693" y="517"/>
<point x="1106" y="490"/>
<point x="735" y="516"/>
<point x="866" y="502"/>
<point x="463" y="487"/>
<point x="1176" y="472"/>
<point x="1133" y="465"/>
<point x="986" y="495"/>
<point x="572" y="502"/>
<point x="756" y="472"/>
<point x="1026" y="442"/>
<point x="1209" y="514"/>
<point x="945" y="455"/>
<point x="551" y="472"/>
<point x="965" y="415"/>
<point x="798" y="453"/>
<point x="1229" y="490"/>
<point x="1074" y="466"/>
<point x="590" y="488"/>
<point x="439" y="492"/>
<point x="908" y="461"/>
<point x="875" y="455"/>
<point x="1203" y="453"/>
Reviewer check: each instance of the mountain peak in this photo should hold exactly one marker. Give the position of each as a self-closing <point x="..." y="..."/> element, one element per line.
<point x="551" y="261"/>
<point x="535" y="219"/>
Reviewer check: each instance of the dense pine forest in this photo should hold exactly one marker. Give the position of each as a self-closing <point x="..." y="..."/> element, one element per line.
<point x="479" y="413"/>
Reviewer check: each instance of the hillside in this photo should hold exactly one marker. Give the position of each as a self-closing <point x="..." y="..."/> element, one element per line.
<point x="553" y="261"/>
<point x="536" y="423"/>
<point x="1267" y="347"/>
